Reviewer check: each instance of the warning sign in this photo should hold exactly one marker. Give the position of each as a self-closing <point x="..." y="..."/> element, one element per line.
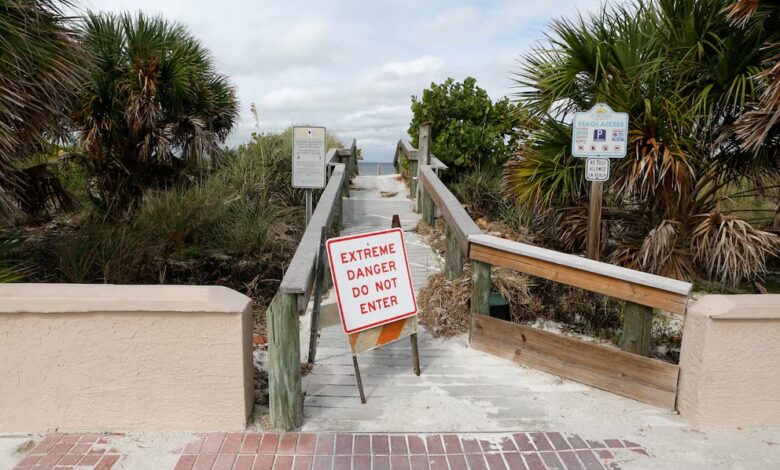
<point x="372" y="279"/>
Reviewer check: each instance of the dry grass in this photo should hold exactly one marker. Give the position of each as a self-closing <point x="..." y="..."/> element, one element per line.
<point x="435" y="236"/>
<point x="445" y="306"/>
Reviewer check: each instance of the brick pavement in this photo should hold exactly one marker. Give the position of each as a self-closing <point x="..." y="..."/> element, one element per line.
<point x="321" y="451"/>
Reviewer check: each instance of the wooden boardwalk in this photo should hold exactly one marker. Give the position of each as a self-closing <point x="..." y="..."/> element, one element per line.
<point x="460" y="389"/>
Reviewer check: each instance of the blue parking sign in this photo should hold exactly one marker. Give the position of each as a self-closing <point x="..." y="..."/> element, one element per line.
<point x="599" y="135"/>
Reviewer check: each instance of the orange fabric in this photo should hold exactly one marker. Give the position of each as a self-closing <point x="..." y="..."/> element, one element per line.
<point x="390" y="332"/>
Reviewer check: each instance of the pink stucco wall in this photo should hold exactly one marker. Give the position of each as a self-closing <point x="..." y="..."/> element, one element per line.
<point x="106" y="357"/>
<point x="730" y="362"/>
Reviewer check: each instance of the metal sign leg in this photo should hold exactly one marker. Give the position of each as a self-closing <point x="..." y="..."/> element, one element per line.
<point x="415" y="354"/>
<point x="357" y="376"/>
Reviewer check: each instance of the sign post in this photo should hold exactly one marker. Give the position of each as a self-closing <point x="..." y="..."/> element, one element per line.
<point x="598" y="135"/>
<point x="374" y="290"/>
<point x="308" y="161"/>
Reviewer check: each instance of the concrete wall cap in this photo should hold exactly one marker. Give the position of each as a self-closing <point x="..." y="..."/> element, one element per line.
<point x="738" y="307"/>
<point x="86" y="298"/>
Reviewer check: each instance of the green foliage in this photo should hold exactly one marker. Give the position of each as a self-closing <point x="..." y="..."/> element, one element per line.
<point x="11" y="270"/>
<point x="685" y="74"/>
<point x="40" y="72"/>
<point x="468" y="128"/>
<point x="153" y="107"/>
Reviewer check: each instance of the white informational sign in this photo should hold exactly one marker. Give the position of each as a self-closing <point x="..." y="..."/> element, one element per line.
<point x="597" y="169"/>
<point x="372" y="279"/>
<point x="599" y="132"/>
<point x="308" y="164"/>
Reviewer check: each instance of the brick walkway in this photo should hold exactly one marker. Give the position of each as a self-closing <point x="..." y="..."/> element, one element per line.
<point x="309" y="451"/>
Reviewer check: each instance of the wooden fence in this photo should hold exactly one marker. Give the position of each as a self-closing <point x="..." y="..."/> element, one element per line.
<point x="284" y="353"/>
<point x="622" y="372"/>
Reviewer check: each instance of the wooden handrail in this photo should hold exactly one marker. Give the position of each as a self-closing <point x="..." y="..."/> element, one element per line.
<point x="458" y="220"/>
<point x="404" y="148"/>
<point x="623" y="283"/>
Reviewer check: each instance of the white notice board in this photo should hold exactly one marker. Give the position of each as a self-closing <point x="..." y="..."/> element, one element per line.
<point x="372" y="279"/>
<point x="599" y="132"/>
<point x="308" y="158"/>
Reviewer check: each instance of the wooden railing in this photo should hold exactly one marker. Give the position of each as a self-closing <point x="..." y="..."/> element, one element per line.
<point x="622" y="372"/>
<point x="284" y="356"/>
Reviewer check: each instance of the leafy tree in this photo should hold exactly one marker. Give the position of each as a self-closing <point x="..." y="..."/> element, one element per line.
<point x="685" y="75"/>
<point x="40" y="72"/>
<point x="153" y="107"/>
<point x="468" y="128"/>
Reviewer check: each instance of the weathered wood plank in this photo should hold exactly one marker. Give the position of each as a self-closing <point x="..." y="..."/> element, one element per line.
<point x="450" y="208"/>
<point x="637" y="326"/>
<point x="284" y="360"/>
<point x="453" y="265"/>
<point x="632" y="376"/>
<point x="614" y="285"/>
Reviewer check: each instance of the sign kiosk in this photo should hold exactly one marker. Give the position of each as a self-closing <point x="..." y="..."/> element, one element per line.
<point x="374" y="290"/>
<point x="598" y="134"/>
<point x="308" y="161"/>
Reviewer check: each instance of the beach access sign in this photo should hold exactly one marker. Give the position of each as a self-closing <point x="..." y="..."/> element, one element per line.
<point x="372" y="279"/>
<point x="308" y="159"/>
<point x="599" y="132"/>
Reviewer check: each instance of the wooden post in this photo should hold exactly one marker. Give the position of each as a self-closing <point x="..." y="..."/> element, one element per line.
<point x="453" y="263"/>
<point x="594" y="220"/>
<point x="413" y="179"/>
<point x="423" y="158"/>
<point x="480" y="291"/>
<point x="284" y="362"/>
<point x="428" y="207"/>
<point x="637" y="325"/>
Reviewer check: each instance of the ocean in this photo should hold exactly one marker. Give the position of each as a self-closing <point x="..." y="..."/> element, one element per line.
<point x="376" y="168"/>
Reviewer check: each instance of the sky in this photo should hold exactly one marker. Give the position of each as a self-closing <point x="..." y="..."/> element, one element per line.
<point x="352" y="66"/>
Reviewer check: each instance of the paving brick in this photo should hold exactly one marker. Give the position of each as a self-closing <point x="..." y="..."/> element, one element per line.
<point x="306" y="442"/>
<point x="434" y="444"/>
<point x="398" y="445"/>
<point x="596" y="444"/>
<point x="507" y="444"/>
<point x="457" y="462"/>
<point x="495" y="461"/>
<point x="470" y="445"/>
<point x="322" y="462"/>
<point x="399" y="462"/>
<point x="283" y="462"/>
<point x="552" y="461"/>
<point x="589" y="461"/>
<point x="476" y="461"/>
<point x="362" y="444"/>
<point x="186" y="462"/>
<point x="29" y="461"/>
<point x="380" y="462"/>
<point x="570" y="460"/>
<point x="343" y="444"/>
<point x="89" y="438"/>
<point x="557" y="441"/>
<point x="244" y="462"/>
<point x="47" y="443"/>
<point x="613" y="443"/>
<point x="452" y="444"/>
<point x="533" y="461"/>
<point x="194" y="446"/>
<point x="303" y="462"/>
<point x="70" y="438"/>
<point x="92" y="459"/>
<point x="287" y="443"/>
<point x="251" y="443"/>
<point x="107" y="461"/>
<point x="523" y="442"/>
<point x="232" y="443"/>
<point x="604" y="454"/>
<point x="380" y="444"/>
<point x="205" y="462"/>
<point x="416" y="445"/>
<point x="438" y="462"/>
<point x="324" y="444"/>
<point x="576" y="442"/>
<point x="630" y="444"/>
<point x="360" y="462"/>
<point x="224" y="462"/>
<point x="514" y="460"/>
<point x="213" y="443"/>
<point x="419" y="462"/>
<point x="70" y="459"/>
<point x="342" y="462"/>
<point x="269" y="444"/>
<point x="264" y="462"/>
<point x="540" y="441"/>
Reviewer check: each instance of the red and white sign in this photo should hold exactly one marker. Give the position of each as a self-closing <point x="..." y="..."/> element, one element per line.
<point x="372" y="279"/>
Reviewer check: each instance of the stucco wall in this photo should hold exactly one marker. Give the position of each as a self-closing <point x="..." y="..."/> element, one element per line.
<point x="105" y="357"/>
<point x="730" y="361"/>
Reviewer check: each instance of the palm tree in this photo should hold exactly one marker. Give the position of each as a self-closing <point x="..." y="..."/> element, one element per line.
<point x="685" y="75"/>
<point x="153" y="106"/>
<point x="40" y="73"/>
